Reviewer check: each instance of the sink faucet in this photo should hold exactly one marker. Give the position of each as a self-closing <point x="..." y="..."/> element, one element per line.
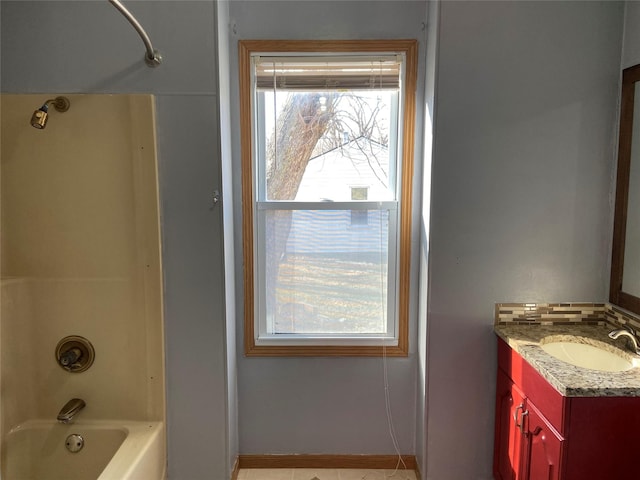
<point x="628" y="333"/>
<point x="70" y="410"/>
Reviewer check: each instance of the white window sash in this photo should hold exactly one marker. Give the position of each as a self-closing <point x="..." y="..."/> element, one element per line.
<point x="260" y="206"/>
<point x="261" y="330"/>
<point x="346" y="205"/>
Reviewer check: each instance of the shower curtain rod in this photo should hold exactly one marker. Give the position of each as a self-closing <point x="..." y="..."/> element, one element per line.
<point x="152" y="58"/>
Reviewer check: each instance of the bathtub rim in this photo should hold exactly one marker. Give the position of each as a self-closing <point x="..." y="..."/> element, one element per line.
<point x="143" y="439"/>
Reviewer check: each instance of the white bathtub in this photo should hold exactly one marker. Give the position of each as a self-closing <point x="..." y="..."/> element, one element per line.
<point x="112" y="450"/>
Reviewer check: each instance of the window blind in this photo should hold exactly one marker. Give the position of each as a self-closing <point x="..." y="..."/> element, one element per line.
<point x="314" y="73"/>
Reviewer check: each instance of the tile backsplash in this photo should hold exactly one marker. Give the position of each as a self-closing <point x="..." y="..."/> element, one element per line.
<point x="564" y="314"/>
<point x="618" y="316"/>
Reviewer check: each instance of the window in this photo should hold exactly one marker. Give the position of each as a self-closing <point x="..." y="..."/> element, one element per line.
<point x="327" y="164"/>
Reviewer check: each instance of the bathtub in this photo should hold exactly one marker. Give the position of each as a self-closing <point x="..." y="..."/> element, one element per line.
<point x="112" y="450"/>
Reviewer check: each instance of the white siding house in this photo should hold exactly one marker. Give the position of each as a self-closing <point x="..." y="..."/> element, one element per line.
<point x="356" y="170"/>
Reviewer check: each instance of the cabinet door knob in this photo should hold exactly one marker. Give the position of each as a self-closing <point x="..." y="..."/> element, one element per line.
<point x="524" y="414"/>
<point x="515" y="413"/>
<point x="520" y="424"/>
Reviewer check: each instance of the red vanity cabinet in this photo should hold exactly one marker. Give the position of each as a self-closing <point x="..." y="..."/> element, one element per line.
<point x="526" y="445"/>
<point x="542" y="435"/>
<point x="508" y="437"/>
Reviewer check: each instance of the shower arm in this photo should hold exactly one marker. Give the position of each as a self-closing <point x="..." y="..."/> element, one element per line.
<point x="152" y="58"/>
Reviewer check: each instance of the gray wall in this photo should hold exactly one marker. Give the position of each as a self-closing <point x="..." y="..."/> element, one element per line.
<point x="433" y="21"/>
<point x="526" y="107"/>
<point x="89" y="47"/>
<point x="631" y="46"/>
<point x="224" y="88"/>
<point x="324" y="405"/>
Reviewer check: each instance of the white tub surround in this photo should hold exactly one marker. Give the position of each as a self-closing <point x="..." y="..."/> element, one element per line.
<point x="81" y="257"/>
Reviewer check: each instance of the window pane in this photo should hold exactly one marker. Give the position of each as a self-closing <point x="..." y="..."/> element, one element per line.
<point x="323" y="275"/>
<point x="317" y="144"/>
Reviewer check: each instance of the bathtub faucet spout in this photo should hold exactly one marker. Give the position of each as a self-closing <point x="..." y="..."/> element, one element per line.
<point x="70" y="410"/>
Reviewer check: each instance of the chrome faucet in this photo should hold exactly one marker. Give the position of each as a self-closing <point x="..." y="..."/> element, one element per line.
<point x="628" y="333"/>
<point x="70" y="410"/>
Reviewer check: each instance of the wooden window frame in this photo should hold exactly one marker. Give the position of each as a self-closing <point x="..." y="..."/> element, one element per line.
<point x="410" y="49"/>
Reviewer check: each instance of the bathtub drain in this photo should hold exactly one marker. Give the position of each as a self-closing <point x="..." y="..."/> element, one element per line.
<point x="74" y="443"/>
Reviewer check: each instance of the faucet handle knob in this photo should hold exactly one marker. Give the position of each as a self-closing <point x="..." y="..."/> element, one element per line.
<point x="74" y="353"/>
<point x="70" y="357"/>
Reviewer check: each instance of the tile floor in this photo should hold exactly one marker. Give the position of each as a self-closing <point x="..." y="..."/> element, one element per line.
<point x="323" y="474"/>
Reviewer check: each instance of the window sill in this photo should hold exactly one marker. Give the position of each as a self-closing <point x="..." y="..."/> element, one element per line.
<point x="365" y="347"/>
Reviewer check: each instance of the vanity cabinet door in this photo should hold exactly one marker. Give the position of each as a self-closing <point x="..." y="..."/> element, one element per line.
<point x="543" y="448"/>
<point x="510" y="408"/>
<point x="564" y="438"/>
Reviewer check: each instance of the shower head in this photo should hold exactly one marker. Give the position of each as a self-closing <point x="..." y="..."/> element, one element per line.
<point x="40" y="116"/>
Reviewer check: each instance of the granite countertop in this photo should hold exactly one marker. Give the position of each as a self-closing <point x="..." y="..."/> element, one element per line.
<point x="570" y="380"/>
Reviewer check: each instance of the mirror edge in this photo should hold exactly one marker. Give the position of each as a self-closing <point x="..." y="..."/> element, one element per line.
<point x="630" y="76"/>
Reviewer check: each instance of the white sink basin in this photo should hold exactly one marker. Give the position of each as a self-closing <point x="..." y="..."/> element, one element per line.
<point x="589" y="356"/>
